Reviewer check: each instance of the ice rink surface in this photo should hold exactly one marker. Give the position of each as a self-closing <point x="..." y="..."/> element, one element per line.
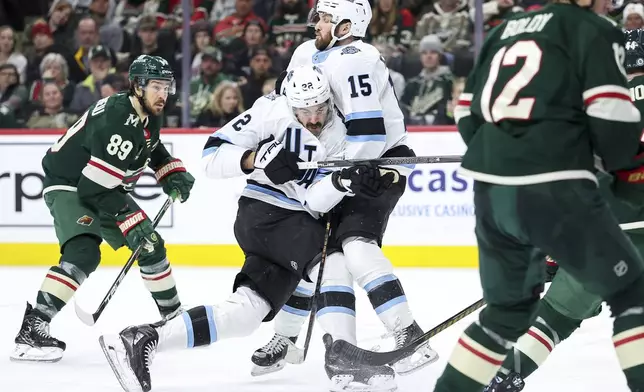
<point x="585" y="362"/>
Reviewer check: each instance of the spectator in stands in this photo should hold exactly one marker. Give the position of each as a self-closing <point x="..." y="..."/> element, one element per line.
<point x="222" y="9"/>
<point x="13" y="95"/>
<point x="86" y="38"/>
<point x="241" y="49"/>
<point x="418" y="8"/>
<point x="53" y="68"/>
<point x="233" y="25"/>
<point x="201" y="39"/>
<point x="59" y="20"/>
<point x="8" y="55"/>
<point x="43" y="44"/>
<point x="633" y="16"/>
<point x="202" y="86"/>
<point x="449" y="20"/>
<point x="225" y="105"/>
<point x="391" y="24"/>
<point x="51" y="114"/>
<point x="112" y="84"/>
<point x="457" y="89"/>
<point x="386" y="51"/>
<point x="260" y="71"/>
<point x="89" y="91"/>
<point x="287" y="29"/>
<point x="148" y="42"/>
<point x="426" y="95"/>
<point x="173" y="6"/>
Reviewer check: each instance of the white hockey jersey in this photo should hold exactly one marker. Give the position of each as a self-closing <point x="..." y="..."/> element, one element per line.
<point x="363" y="93"/>
<point x="271" y="115"/>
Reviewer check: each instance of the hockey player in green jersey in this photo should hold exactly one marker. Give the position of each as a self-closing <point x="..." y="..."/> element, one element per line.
<point x="567" y="303"/>
<point x="88" y="174"/>
<point x="547" y="97"/>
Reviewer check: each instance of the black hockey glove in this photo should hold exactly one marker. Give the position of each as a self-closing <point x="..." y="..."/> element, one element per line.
<point x="279" y="165"/>
<point x="363" y="180"/>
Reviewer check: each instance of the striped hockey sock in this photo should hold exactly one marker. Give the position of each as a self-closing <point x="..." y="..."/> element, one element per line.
<point x="59" y="286"/>
<point x="389" y="301"/>
<point x="628" y="339"/>
<point x="477" y="357"/>
<point x="289" y="320"/>
<point x="159" y="281"/>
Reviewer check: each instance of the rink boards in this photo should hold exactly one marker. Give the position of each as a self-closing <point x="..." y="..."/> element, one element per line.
<point x="432" y="225"/>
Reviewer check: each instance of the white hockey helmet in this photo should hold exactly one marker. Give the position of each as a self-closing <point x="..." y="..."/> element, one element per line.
<point x="306" y="86"/>
<point x="358" y="12"/>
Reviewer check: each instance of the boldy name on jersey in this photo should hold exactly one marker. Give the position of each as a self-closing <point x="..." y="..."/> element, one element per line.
<point x="531" y="24"/>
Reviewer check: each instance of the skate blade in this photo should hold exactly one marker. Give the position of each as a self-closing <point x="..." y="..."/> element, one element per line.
<point x="262" y="370"/>
<point x="345" y="383"/>
<point x="119" y="363"/>
<point x="421" y="358"/>
<point x="27" y="353"/>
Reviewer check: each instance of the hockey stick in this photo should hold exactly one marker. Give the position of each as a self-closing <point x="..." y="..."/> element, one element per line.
<point x="301" y="354"/>
<point x="380" y="161"/>
<point x="358" y="355"/>
<point x="90" y="319"/>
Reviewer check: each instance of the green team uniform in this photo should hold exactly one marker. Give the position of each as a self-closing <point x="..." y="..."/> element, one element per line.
<point x="545" y="98"/>
<point x="99" y="159"/>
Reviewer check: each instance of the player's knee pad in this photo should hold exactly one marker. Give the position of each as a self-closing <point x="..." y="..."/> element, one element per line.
<point x="240" y="315"/>
<point x="365" y="260"/>
<point x="336" y="305"/>
<point x="555" y="323"/>
<point x="158" y="255"/>
<point x="289" y="320"/>
<point x="629" y="298"/>
<point x="509" y="321"/>
<point x="81" y="256"/>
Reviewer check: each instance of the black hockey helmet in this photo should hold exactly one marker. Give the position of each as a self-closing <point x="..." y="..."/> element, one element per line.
<point x="634" y="45"/>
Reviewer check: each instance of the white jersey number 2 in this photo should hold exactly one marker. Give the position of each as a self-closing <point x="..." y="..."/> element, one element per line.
<point x="504" y="106"/>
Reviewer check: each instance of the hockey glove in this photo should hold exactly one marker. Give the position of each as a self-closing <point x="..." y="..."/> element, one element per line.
<point x="363" y="180"/>
<point x="137" y="229"/>
<point x="173" y="177"/>
<point x="551" y="269"/>
<point x="279" y="165"/>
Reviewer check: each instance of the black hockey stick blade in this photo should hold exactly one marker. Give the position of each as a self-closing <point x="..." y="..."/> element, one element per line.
<point x="91" y="318"/>
<point x="357" y="355"/>
<point x="380" y="161"/>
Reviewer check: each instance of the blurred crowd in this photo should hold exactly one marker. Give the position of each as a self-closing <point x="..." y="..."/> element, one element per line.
<point x="58" y="57"/>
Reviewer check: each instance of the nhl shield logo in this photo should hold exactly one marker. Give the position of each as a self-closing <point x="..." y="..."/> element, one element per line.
<point x="294" y="265"/>
<point x="85" y="220"/>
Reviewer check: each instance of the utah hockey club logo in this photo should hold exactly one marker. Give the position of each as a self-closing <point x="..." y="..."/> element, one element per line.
<point x="85" y="220"/>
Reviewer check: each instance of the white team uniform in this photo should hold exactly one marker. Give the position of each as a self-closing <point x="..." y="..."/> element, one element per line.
<point x="271" y="115"/>
<point x="362" y="89"/>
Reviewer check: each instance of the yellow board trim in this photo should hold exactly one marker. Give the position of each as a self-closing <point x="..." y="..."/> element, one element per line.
<point x="26" y="254"/>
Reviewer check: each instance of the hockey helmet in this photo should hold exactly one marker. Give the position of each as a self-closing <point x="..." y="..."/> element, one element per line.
<point x="634" y="45"/>
<point x="358" y="12"/>
<point x="145" y="68"/>
<point x="306" y="86"/>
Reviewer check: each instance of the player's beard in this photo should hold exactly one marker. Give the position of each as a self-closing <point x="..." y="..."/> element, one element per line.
<point x="155" y="109"/>
<point x="322" y="42"/>
<point x="314" y="128"/>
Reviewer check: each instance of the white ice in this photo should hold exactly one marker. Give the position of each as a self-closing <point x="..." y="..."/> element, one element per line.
<point x="585" y="362"/>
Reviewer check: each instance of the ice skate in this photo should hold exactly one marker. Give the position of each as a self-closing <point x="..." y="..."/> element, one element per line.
<point x="273" y="356"/>
<point x="130" y="354"/>
<point x="422" y="357"/>
<point x="513" y="382"/>
<point x="33" y="342"/>
<point x="346" y="376"/>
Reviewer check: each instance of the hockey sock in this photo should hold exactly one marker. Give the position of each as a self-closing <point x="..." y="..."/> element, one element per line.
<point x="159" y="281"/>
<point x="532" y="349"/>
<point x="337" y="312"/>
<point x="374" y="272"/>
<point x="238" y="316"/>
<point x="477" y="357"/>
<point x="59" y="286"/>
<point x="289" y="320"/>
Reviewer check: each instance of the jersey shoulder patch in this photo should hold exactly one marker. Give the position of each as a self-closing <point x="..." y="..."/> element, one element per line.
<point x="350" y="50"/>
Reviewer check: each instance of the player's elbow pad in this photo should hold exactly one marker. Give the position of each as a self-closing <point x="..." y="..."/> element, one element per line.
<point x="224" y="161"/>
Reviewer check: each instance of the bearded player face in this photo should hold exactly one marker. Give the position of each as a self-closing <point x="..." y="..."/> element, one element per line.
<point x="323" y="29"/>
<point x="156" y="95"/>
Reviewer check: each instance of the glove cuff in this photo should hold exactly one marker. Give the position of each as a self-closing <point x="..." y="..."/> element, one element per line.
<point x="336" y="180"/>
<point x="132" y="220"/>
<point x="173" y="166"/>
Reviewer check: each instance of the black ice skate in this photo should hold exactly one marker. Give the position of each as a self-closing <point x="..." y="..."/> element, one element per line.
<point x="33" y="342"/>
<point x="513" y="382"/>
<point x="423" y="356"/>
<point x="130" y="354"/>
<point x="272" y="357"/>
<point x="347" y="376"/>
